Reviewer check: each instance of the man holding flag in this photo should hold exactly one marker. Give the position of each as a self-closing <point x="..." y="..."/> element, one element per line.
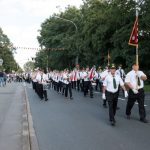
<point x="135" y="79"/>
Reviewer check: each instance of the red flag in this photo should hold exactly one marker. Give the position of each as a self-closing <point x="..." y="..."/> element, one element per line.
<point x="134" y="35"/>
<point x="92" y="71"/>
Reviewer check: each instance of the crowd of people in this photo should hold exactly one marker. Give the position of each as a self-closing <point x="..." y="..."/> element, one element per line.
<point x="108" y="81"/>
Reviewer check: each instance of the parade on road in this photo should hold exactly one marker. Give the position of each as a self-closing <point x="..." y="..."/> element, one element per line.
<point x="74" y="75"/>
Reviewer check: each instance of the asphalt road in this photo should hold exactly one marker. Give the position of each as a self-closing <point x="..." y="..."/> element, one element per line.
<point x="82" y="124"/>
<point x="11" y="111"/>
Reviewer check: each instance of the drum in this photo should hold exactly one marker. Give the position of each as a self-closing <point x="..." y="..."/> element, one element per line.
<point x="46" y="86"/>
<point x="93" y="83"/>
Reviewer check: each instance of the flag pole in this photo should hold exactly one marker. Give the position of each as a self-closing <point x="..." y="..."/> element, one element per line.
<point x="137" y="47"/>
<point x="108" y="57"/>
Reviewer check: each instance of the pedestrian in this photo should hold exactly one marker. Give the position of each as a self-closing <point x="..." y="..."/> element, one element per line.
<point x="110" y="87"/>
<point x="135" y="81"/>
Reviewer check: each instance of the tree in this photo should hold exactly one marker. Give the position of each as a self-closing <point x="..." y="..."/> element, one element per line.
<point x="6" y="53"/>
<point x="103" y="25"/>
<point x="28" y="66"/>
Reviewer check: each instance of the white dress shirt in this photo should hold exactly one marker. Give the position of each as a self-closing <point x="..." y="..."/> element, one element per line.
<point x="108" y="83"/>
<point x="131" y="78"/>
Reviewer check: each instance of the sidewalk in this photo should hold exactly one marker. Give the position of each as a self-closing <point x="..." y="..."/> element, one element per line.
<point x="11" y="116"/>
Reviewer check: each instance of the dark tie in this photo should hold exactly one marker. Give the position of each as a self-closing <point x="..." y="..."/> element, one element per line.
<point x="120" y="73"/>
<point x="114" y="83"/>
<point x="138" y="82"/>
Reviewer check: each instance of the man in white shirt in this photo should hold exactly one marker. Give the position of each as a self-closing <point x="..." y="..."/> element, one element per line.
<point x="135" y="81"/>
<point x="110" y="87"/>
<point x="42" y="79"/>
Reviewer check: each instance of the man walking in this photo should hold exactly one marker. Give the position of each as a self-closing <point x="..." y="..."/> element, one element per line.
<point x="110" y="87"/>
<point x="135" y="81"/>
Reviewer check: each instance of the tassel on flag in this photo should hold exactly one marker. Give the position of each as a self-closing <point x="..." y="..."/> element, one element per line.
<point x="134" y="35"/>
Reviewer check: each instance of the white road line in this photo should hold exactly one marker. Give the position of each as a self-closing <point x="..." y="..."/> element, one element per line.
<point x="137" y="104"/>
<point x="24" y="84"/>
<point x="97" y="92"/>
<point x="122" y="99"/>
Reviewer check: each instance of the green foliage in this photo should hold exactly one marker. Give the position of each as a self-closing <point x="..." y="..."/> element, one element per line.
<point x="6" y="53"/>
<point x="28" y="66"/>
<point x="102" y="26"/>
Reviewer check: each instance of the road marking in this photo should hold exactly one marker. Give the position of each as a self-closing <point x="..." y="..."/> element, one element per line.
<point x="24" y="84"/>
<point x="97" y="92"/>
<point x="137" y="104"/>
<point x="122" y="99"/>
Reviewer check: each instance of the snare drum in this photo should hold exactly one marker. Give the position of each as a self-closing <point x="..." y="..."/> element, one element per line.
<point x="46" y="86"/>
<point x="93" y="83"/>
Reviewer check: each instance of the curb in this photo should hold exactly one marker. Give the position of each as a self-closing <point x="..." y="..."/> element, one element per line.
<point x="29" y="137"/>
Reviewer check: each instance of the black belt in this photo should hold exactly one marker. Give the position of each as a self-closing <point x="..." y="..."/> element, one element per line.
<point x="112" y="92"/>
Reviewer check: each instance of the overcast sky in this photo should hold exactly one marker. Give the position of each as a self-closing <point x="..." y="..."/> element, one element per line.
<point x="20" y="20"/>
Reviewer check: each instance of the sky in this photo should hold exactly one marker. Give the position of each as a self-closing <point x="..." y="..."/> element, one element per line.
<point x="20" y="20"/>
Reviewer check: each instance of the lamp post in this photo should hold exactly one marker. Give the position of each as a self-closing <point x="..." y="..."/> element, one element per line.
<point x="77" y="57"/>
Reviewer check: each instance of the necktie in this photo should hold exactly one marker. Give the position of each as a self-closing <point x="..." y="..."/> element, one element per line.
<point x="114" y="83"/>
<point x="120" y="73"/>
<point x="138" y="81"/>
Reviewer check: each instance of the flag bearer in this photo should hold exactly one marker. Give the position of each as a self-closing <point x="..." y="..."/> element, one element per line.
<point x="135" y="81"/>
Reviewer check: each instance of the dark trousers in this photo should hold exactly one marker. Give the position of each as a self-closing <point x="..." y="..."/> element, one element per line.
<point x="88" y="86"/>
<point x="78" y="85"/>
<point x="42" y="93"/>
<point x="97" y="84"/>
<point x="82" y="85"/>
<point x="74" y="84"/>
<point x="68" y="88"/>
<point x="33" y="85"/>
<point x="140" y="99"/>
<point x="112" y="99"/>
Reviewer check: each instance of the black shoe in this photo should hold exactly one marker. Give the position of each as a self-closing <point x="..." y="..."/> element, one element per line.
<point x="71" y="98"/>
<point x="144" y="120"/>
<point x="112" y="123"/>
<point x="41" y="98"/>
<point x="91" y="96"/>
<point x="118" y="108"/>
<point x="128" y="117"/>
<point x="46" y="99"/>
<point x="104" y="105"/>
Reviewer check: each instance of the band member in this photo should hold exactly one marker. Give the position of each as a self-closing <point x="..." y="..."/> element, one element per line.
<point x="87" y="83"/>
<point x="67" y="81"/>
<point x="135" y="81"/>
<point x="42" y="79"/>
<point x="110" y="87"/>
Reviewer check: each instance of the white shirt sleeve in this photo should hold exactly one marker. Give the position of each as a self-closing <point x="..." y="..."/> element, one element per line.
<point x="127" y="79"/>
<point x="105" y="82"/>
<point x="140" y="73"/>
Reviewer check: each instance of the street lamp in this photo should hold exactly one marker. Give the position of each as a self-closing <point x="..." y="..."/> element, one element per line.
<point x="77" y="57"/>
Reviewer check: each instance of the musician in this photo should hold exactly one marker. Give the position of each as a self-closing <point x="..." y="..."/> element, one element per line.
<point x="42" y="79"/>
